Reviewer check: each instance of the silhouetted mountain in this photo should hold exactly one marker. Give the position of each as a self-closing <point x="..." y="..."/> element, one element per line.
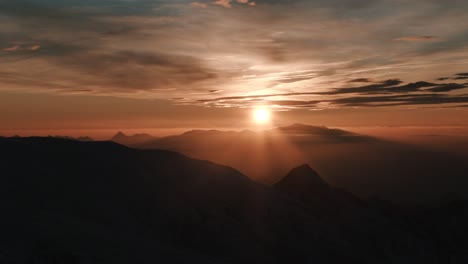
<point x="315" y="130"/>
<point x="364" y="165"/>
<point x="107" y="203"/>
<point x="306" y="185"/>
<point x="123" y="139"/>
<point x="303" y="180"/>
<point x="323" y="133"/>
<point x="65" y="201"/>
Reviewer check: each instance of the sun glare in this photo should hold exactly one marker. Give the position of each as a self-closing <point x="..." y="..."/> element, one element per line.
<point x="261" y="115"/>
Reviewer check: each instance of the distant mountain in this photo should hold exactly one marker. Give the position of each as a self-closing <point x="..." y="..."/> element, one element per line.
<point x="65" y="201"/>
<point x="123" y="139"/>
<point x="244" y="150"/>
<point x="314" y="130"/>
<point x="323" y="133"/>
<point x="362" y="164"/>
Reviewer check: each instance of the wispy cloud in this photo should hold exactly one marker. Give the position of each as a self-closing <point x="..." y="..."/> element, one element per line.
<point x="22" y="47"/>
<point x="223" y="3"/>
<point x="198" y="4"/>
<point x="418" y="38"/>
<point x="291" y="53"/>
<point x="359" y="80"/>
<point x="12" y="48"/>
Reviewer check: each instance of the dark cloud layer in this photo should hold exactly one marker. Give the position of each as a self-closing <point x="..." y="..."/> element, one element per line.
<point x="359" y="80"/>
<point x="391" y="86"/>
<point x="456" y="77"/>
<point x="387" y="93"/>
<point x="399" y="100"/>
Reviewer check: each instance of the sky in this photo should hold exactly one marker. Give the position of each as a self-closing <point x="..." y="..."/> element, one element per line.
<point x="68" y="65"/>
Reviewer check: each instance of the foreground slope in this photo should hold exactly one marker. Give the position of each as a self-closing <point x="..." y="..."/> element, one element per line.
<point x="104" y="201"/>
<point x="100" y="202"/>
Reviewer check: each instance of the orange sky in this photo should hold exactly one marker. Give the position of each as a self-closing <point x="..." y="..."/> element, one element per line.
<point x="165" y="66"/>
<point x="103" y="116"/>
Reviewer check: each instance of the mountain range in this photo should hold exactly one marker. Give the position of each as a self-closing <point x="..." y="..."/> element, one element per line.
<point x="66" y="201"/>
<point x="364" y="165"/>
<point x="123" y="139"/>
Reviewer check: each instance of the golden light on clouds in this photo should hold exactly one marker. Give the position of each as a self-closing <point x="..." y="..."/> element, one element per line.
<point x="12" y="48"/>
<point x="291" y="55"/>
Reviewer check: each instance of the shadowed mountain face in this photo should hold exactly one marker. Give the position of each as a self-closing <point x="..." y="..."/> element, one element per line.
<point x="66" y="201"/>
<point x="364" y="165"/>
<point x="305" y="185"/>
<point x="303" y="181"/>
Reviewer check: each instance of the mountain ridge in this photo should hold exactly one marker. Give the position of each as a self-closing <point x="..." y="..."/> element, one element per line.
<point x="139" y="138"/>
<point x="101" y="202"/>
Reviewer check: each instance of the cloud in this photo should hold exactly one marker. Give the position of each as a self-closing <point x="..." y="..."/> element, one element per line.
<point x="22" y="47"/>
<point x="372" y="88"/>
<point x="387" y="93"/>
<point x="401" y="100"/>
<point x="447" y="87"/>
<point x="359" y="80"/>
<point x="418" y="38"/>
<point x="198" y="4"/>
<point x="228" y="3"/>
<point x="124" y="72"/>
<point x="456" y="77"/>
<point x="223" y="3"/>
<point x="12" y="48"/>
<point x="295" y="53"/>
<point x="34" y="47"/>
<point x="393" y="87"/>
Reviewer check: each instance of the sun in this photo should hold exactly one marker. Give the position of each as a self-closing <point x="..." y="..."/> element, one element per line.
<point x="261" y="115"/>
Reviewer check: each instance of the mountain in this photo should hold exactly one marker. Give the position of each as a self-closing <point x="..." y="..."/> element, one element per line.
<point x="302" y="181"/>
<point x="444" y="223"/>
<point x="364" y="165"/>
<point x="314" y="130"/>
<point x="257" y="154"/>
<point x="123" y="139"/>
<point x="307" y="186"/>
<point x="101" y="202"/>
<point x="65" y="201"/>
<point x="322" y="133"/>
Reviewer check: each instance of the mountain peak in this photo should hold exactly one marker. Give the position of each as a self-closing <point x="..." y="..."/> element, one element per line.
<point x="122" y="138"/>
<point x="305" y="172"/>
<point x="303" y="180"/>
<point x="120" y="134"/>
<point x="304" y="167"/>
